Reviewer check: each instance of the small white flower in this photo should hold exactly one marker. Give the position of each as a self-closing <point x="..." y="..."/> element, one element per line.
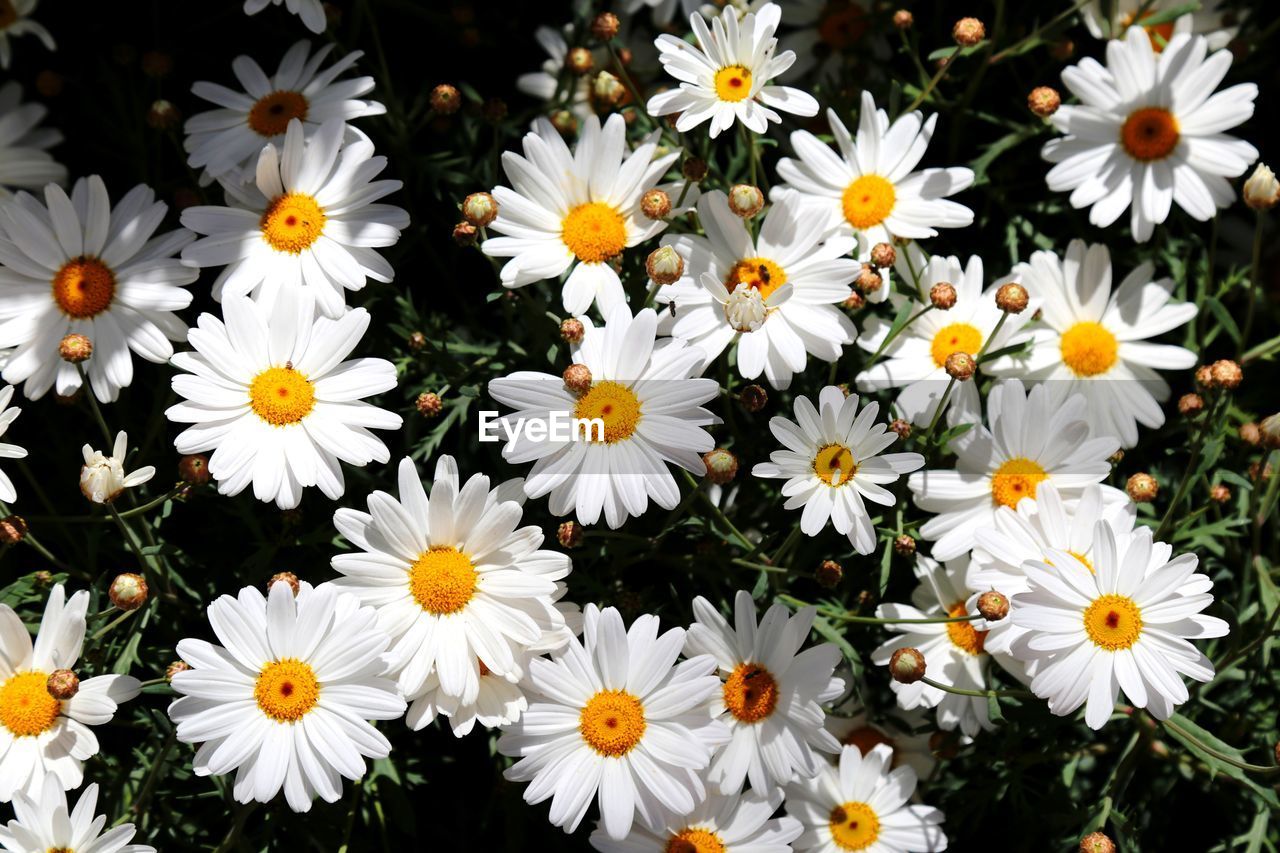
<point x="102" y="477"/>
<point x="24" y="161"/>
<point x="1261" y="191"/>
<point x="49" y="824"/>
<point x="8" y="414"/>
<point x="17" y="22"/>
<point x="744" y="309"/>
<point x="738" y="824"/>
<point x="310" y="11"/>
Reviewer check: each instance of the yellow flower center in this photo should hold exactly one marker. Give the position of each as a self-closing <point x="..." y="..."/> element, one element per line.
<point x="26" y="708"/>
<point x="957" y="337"/>
<point x="834" y="464"/>
<point x="1089" y="349"/>
<point x="733" y="83"/>
<point x="695" y="841"/>
<point x="1016" y="479"/>
<point x="292" y="222"/>
<point x="1150" y="133"/>
<point x="612" y="722"/>
<point x="594" y="232"/>
<point x="868" y="201"/>
<point x="761" y="273"/>
<point x="443" y="580"/>
<point x="751" y="693"/>
<point x="615" y="404"/>
<point x="1113" y="622"/>
<point x="281" y="396"/>
<point x="842" y="25"/>
<point x="287" y="690"/>
<point x="84" y="287"/>
<point x="963" y="635"/>
<point x="271" y="115"/>
<point x="854" y="826"/>
<point x="1158" y="33"/>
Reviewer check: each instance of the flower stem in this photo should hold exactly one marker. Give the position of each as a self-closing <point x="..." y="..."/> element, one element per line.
<point x="983" y="694"/>
<point x="93" y="406"/>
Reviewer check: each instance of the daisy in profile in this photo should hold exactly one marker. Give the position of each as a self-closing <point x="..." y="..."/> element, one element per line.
<point x="869" y="186"/>
<point x="44" y="736"/>
<point x="771" y="695"/>
<point x="310" y="221"/>
<point x="310" y="11"/>
<point x="77" y="265"/>
<point x="1209" y="20"/>
<point x="8" y="414"/>
<point x="613" y="717"/>
<point x="726" y="78"/>
<point x="1093" y="341"/>
<point x="646" y="401"/>
<point x="738" y="824"/>
<point x="15" y="20"/>
<point x="285" y="700"/>
<point x="1033" y="439"/>
<point x="102" y="477"/>
<point x="1120" y="625"/>
<point x="270" y="394"/>
<point x="833" y="462"/>
<point x="49" y="824"/>
<point x="861" y="804"/>
<point x="225" y="142"/>
<point x="25" y="162"/>
<point x="575" y="211"/>
<point x="1148" y="133"/>
<point x="855" y="727"/>
<point x="777" y="295"/>
<point x="460" y="587"/>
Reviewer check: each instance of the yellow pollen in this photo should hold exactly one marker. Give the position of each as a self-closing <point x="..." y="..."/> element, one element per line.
<point x="1113" y="622"/>
<point x="733" y="83"/>
<point x="594" y="232"/>
<point x="963" y="635"/>
<point x="842" y="25"/>
<point x="854" y="826"/>
<point x="26" y="708"/>
<point x="281" y="396"/>
<point x="834" y="464"/>
<point x="957" y="337"/>
<point x="1150" y="133"/>
<point x="443" y="580"/>
<point x="1016" y="479"/>
<point x="270" y="116"/>
<point x="868" y="201"/>
<point x="84" y="287"/>
<point x="751" y="693"/>
<point x="695" y="841"/>
<point x="612" y="722"/>
<point x="286" y="690"/>
<point x="613" y="403"/>
<point x="1089" y="349"/>
<point x="761" y="273"/>
<point x="292" y="222"/>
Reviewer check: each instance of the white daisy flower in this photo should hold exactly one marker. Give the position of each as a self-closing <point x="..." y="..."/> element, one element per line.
<point x="1149" y="132"/>
<point x="459" y="587"/>
<point x="15" y="20"/>
<point x="1122" y="624"/>
<point x="576" y="210"/>
<point x="663" y="11"/>
<point x="1210" y="21"/>
<point x="225" y="142"/>
<point x="776" y="295"/>
<point x="8" y="414"/>
<point x="771" y="695"/>
<point x="102" y="477"/>
<point x="24" y="161"/>
<point x="726" y="78"/>
<point x="285" y="700"/>
<point x="309" y="221"/>
<point x="1094" y="342"/>
<point x="858" y="729"/>
<point x="1033" y="438"/>
<point x="824" y="34"/>
<point x="310" y="11"/>
<point x="40" y="735"/>
<point x="544" y="84"/>
<point x="869" y="186"/>
<point x="739" y="824"/>
<point x="616" y="718"/>
<point x="270" y="394"/>
<point x="862" y="805"/>
<point x="832" y="463"/>
<point x="49" y="824"/>
<point x="75" y="264"/>
<point x="646" y="401"/>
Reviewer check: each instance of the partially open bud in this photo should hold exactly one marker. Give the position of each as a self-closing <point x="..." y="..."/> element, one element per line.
<point x="902" y="19"/>
<point x="904" y="545"/>
<point x="163" y="115"/>
<point x="569" y="534"/>
<point x="745" y="200"/>
<point x="284" y="577"/>
<point x="753" y="398"/>
<point x="1044" y="101"/>
<point x="829" y="574"/>
<point x="565" y="123"/>
<point x="194" y="469"/>
<point x="1142" y="488"/>
<point x="429" y="405"/>
<point x="572" y="330"/>
<point x="722" y="465"/>
<point x="664" y="265"/>
<point x="907" y="666"/>
<point x="579" y="61"/>
<point x="1219" y="494"/>
<point x="883" y="255"/>
<point x="655" y="204"/>
<point x="128" y="591"/>
<point x="577" y="379"/>
<point x="960" y="366"/>
<point x="445" y="99"/>
<point x="464" y="233"/>
<point x="694" y="169"/>
<point x="174" y="668"/>
<point x="1226" y="374"/>
<point x="480" y="209"/>
<point x="901" y="427"/>
<point x="12" y="529"/>
<point x="75" y="348"/>
<point x="608" y="89"/>
<point x="1262" y="190"/>
<point x="1190" y="404"/>
<point x="993" y="605"/>
<point x="605" y="26"/>
<point x="62" y="684"/>
<point x="942" y="296"/>
<point x="968" y="31"/>
<point x="1097" y="842"/>
<point x="868" y="281"/>
<point x="1012" y="298"/>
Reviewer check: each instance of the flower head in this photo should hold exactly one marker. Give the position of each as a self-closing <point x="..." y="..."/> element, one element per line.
<point x="102" y="477"/>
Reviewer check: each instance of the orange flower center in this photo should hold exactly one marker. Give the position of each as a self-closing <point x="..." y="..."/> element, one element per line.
<point x="271" y="115"/>
<point x="26" y="708"/>
<point x="963" y="635"/>
<point x="84" y="287"/>
<point x="957" y="337"/>
<point x="733" y="83"/>
<point x="868" y="201"/>
<point x="1016" y="479"/>
<point x="281" y="396"/>
<point x="292" y="222"/>
<point x="612" y="722"/>
<point x="594" y="232"/>
<point x="443" y="580"/>
<point x="1113" y="622"/>
<point x="616" y="405"/>
<point x="1150" y="133"/>
<point x="695" y="841"/>
<point x="751" y="693"/>
<point x="854" y="826"/>
<point x="1089" y="348"/>
<point x="760" y="273"/>
<point x="286" y="690"/>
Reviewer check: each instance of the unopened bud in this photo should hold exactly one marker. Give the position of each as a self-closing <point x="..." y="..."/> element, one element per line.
<point x="1250" y="434"/>
<point x="1142" y="488"/>
<point x="1262" y="190"/>
<point x="722" y="465"/>
<point x="1227" y="374"/>
<point x="904" y="545"/>
<point x="284" y="577"/>
<point x="174" y="668"/>
<point x="75" y="348"/>
<point x="993" y="606"/>
<point x="1204" y="376"/>
<point x="564" y="122"/>
<point x="163" y="115"/>
<point x="579" y="61"/>
<point x="968" y="31"/>
<point x="854" y="301"/>
<point x="194" y="469"/>
<point x="829" y="574"/>
<point x="907" y="666"/>
<point x="901" y="427"/>
<point x="1012" y="298"/>
<point x="605" y="26"/>
<point x="128" y="591"/>
<point x="902" y="19"/>
<point x="1219" y="494"/>
<point x="960" y="366"/>
<point x="883" y="255"/>
<point x="62" y="684"/>
<point x="577" y="379"/>
<point x="868" y="281"/>
<point x="13" y="528"/>
<point x="429" y="405"/>
<point x="417" y="341"/>
<point x="1270" y="428"/>
<point x="608" y="89"/>
<point x="1044" y="101"/>
<point x="655" y="204"/>
<point x="745" y="200"/>
<point x="479" y="209"/>
<point x="1190" y="404"/>
<point x="572" y="331"/>
<point x="445" y="99"/>
<point x="464" y="233"/>
<point x="942" y="296"/>
<point x="570" y="534"/>
<point x="753" y="398"/>
<point x="1097" y="842"/>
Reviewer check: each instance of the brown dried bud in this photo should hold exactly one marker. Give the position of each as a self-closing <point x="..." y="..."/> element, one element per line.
<point x="993" y="606"/>
<point x="62" y="684"/>
<point x="1250" y="434"/>
<point x="1226" y="374"/>
<point x="1190" y="404"/>
<point x="1204" y="376"/>
<point x="174" y="668"/>
<point x="284" y="577"/>
<point x="163" y="115"/>
<point x="572" y="331"/>
<point x="429" y="405"/>
<point x="655" y="204"/>
<point x="1012" y="298"/>
<point x="960" y="366"/>
<point x="1044" y="101"/>
<point x="570" y="534"/>
<point x="722" y="465"/>
<point x="480" y="209"/>
<point x="128" y="591"/>
<point x="194" y="469"/>
<point x="901" y="427"/>
<point x="745" y="200"/>
<point x="1219" y="494"/>
<point x="579" y="61"/>
<point x="904" y="545"/>
<point x="417" y="341"/>
<point x="868" y="281"/>
<point x="565" y="122"/>
<point x="75" y="348"/>
<point x="12" y="529"/>
<point x="907" y="666"/>
<point x="464" y="233"/>
<point x="902" y="19"/>
<point x="968" y="31"/>
<point x="664" y="265"/>
<point x="1097" y="842"/>
<point x="44" y="577"/>
<point x="829" y="574"/>
<point x="1142" y="488"/>
<point x="445" y="99"/>
<point x="694" y="169"/>
<point x="577" y="379"/>
<point x="753" y="398"/>
<point x="854" y="301"/>
<point x="605" y="26"/>
<point x="883" y="255"/>
<point x="943" y="296"/>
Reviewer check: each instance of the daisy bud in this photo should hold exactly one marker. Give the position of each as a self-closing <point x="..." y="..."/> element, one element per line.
<point x="906" y="666"/>
<point x="942" y="296"/>
<point x="960" y="366"/>
<point x="605" y="26"/>
<point x="993" y="606"/>
<point x="564" y="122"/>
<point x="1204" y="376"/>
<point x="174" y="668"/>
<point x="417" y="341"/>
<point x="577" y="379"/>
<point x="579" y="61"/>
<point x="1044" y="101"/>
<point x="868" y="281"/>
<point x="745" y="310"/>
<point x="694" y="169"/>
<point x="570" y="534"/>
<point x="904" y="546"/>
<point x="1270" y="428"/>
<point x="883" y="255"/>
<point x="1227" y="374"/>
<point x="829" y="574"/>
<point x="75" y="348"/>
<point x="1190" y="404"/>
<point x="1097" y="842"/>
<point x="494" y="110"/>
<point x="572" y="330"/>
<point x="163" y="115"/>
<point x="1219" y="494"/>
<point x="745" y="200"/>
<point x="1116" y="458"/>
<point x="479" y="209"/>
<point x="865" y="599"/>
<point x="62" y="684"/>
<point x="1262" y="190"/>
<point x="464" y="233"/>
<point x="608" y="89"/>
<point x="12" y="529"/>
<point x="902" y="19"/>
<point x="1142" y="488"/>
<point x="128" y="591"/>
<point x="854" y="301"/>
<point x="429" y="405"/>
<point x="284" y="577"/>
<point x="1063" y="49"/>
<point x="753" y="398"/>
<point x="194" y="469"/>
<point x="655" y="204"/>
<point x="1250" y="434"/>
<point x="968" y="31"/>
<point x="1012" y="298"/>
<point x="901" y="427"/>
<point x="722" y="465"/>
<point x="445" y="99"/>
